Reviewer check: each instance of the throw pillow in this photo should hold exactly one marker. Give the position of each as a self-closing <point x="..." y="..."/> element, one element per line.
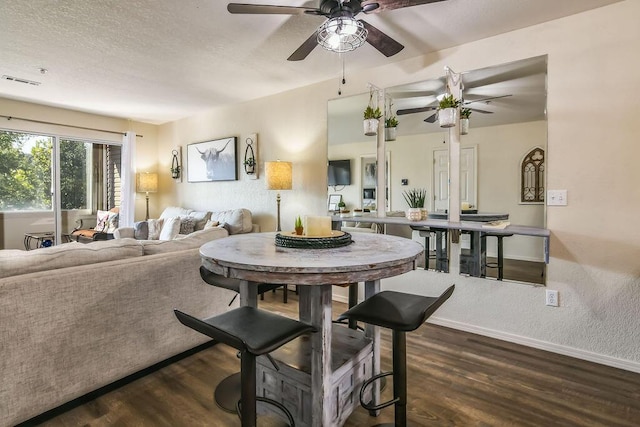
<point x="210" y="224"/>
<point x="200" y="217"/>
<point x="187" y="225"/>
<point x="102" y="221"/>
<point x="141" y="230"/>
<point x="170" y="228"/>
<point x="112" y="222"/>
<point x="155" y="227"/>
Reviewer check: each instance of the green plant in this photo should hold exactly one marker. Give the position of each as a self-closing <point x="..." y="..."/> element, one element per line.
<point x="298" y="223"/>
<point x="341" y="204"/>
<point x="465" y="113"/>
<point x="448" y="101"/>
<point x="415" y="197"/>
<point x="391" y="122"/>
<point x="371" y="113"/>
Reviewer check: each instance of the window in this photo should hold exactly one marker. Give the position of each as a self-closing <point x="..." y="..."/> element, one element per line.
<point x="89" y="173"/>
<point x="532" y="177"/>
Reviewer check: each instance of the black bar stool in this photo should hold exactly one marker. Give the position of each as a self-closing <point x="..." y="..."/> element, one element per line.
<point x="227" y="392"/>
<point x="425" y="232"/>
<point x="499" y="264"/>
<point x="401" y="313"/>
<point x="253" y="332"/>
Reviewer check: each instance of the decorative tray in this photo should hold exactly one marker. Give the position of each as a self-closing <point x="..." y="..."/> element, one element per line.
<point x="291" y="240"/>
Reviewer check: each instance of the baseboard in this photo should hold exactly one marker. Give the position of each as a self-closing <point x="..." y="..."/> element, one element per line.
<point x="45" y="416"/>
<point x="614" y="362"/>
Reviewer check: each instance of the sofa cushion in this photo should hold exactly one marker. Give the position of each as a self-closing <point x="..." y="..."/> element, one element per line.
<point x="16" y="262"/>
<point x="141" y="230"/>
<point x="155" y="227"/>
<point x="189" y="241"/>
<point x="238" y="220"/>
<point x="173" y="211"/>
<point x="200" y="218"/>
<point x="170" y="228"/>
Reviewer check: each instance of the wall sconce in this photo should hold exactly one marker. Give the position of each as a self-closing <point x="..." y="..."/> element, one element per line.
<point x="249" y="158"/>
<point x="175" y="165"/>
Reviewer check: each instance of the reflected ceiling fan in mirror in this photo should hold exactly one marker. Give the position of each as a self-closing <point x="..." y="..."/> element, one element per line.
<point x="432" y="118"/>
<point x="341" y="32"/>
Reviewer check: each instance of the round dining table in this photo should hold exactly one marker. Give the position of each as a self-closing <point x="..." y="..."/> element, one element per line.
<point x="319" y="376"/>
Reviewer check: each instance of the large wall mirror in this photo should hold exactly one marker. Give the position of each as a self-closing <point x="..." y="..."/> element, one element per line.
<point x="502" y="156"/>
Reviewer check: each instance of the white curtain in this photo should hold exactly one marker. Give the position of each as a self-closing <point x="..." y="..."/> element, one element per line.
<point x="128" y="204"/>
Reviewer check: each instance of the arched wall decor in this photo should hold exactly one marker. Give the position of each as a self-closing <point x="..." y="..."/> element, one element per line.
<point x="532" y="185"/>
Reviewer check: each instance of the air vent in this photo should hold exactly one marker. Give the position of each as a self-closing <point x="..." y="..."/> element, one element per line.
<point x="19" y="80"/>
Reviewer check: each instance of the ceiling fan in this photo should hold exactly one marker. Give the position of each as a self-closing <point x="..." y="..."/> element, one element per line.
<point x="332" y="9"/>
<point x="432" y="118"/>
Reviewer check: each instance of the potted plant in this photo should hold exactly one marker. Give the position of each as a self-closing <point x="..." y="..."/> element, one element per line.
<point x="464" y="120"/>
<point x="447" y="111"/>
<point x="371" y="118"/>
<point x="415" y="199"/>
<point x="298" y="226"/>
<point x="390" y="128"/>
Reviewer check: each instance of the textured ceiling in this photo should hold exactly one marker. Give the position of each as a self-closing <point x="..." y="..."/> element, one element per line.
<point x="161" y="60"/>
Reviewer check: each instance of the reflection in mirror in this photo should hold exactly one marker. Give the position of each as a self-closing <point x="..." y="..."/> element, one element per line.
<point x="507" y="127"/>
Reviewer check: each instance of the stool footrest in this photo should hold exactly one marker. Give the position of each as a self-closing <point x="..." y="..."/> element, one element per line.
<point x="275" y="403"/>
<point x="366" y="384"/>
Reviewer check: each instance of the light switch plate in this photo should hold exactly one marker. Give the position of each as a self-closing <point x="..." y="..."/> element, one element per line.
<point x="557" y="198"/>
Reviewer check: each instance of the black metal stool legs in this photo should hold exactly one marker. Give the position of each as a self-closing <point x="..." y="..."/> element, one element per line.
<point x="400" y="377"/>
<point x="248" y="391"/>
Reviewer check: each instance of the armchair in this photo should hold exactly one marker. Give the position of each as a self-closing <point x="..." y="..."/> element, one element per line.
<point x="106" y="223"/>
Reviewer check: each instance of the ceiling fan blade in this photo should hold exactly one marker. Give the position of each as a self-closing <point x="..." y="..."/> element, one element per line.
<point x="305" y="48"/>
<point x="481" y="111"/>
<point x="268" y="9"/>
<point x="382" y="42"/>
<point x="394" y="4"/>
<point x="431" y="118"/>
<point x="414" y="110"/>
<point x="488" y="98"/>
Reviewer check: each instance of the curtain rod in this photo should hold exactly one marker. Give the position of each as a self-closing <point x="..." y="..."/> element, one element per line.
<point x="69" y="126"/>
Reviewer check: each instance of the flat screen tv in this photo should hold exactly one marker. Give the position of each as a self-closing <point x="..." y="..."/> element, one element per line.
<point x="339" y="172"/>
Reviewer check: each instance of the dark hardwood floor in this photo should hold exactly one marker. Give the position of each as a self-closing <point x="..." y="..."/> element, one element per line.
<point x="455" y="379"/>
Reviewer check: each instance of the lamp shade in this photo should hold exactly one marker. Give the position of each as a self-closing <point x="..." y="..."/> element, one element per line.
<point x="278" y="175"/>
<point x="147" y="182"/>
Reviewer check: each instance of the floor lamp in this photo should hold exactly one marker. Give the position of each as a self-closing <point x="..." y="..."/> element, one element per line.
<point x="147" y="183"/>
<point x="278" y="176"/>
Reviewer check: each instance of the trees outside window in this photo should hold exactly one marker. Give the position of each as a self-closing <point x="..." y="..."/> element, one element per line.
<point x="89" y="173"/>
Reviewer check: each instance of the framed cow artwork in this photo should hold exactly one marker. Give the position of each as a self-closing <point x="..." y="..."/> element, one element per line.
<point x="214" y="160"/>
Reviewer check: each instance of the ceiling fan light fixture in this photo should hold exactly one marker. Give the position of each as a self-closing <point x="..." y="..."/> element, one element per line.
<point x="342" y="34"/>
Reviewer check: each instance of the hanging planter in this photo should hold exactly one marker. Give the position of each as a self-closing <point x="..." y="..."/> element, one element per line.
<point x="464" y="120"/>
<point x="390" y="128"/>
<point x="371" y="117"/>
<point x="370" y="126"/>
<point x="448" y="111"/>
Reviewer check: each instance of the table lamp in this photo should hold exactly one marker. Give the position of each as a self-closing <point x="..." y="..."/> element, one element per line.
<point x="278" y="175"/>
<point x="147" y="183"/>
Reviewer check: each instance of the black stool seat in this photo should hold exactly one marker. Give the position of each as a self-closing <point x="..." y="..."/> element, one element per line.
<point x="396" y="310"/>
<point x="231" y="284"/>
<point x="248" y="329"/>
<point x="253" y="332"/>
<point x="401" y="313"/>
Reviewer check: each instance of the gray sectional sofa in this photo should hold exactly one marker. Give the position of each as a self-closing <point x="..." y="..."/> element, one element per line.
<point x="77" y="317"/>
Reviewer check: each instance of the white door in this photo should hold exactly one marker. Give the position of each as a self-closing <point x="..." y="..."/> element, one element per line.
<point x="468" y="178"/>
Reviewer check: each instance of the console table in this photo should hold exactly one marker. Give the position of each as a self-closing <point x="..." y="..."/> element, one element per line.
<point x="472" y="223"/>
<point x="319" y="376"/>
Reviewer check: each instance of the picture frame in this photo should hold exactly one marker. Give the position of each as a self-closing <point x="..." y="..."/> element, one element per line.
<point x="334" y="200"/>
<point x="214" y="160"/>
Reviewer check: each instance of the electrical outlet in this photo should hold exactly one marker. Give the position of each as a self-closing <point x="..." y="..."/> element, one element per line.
<point x="557" y="198"/>
<point x="551" y="298"/>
